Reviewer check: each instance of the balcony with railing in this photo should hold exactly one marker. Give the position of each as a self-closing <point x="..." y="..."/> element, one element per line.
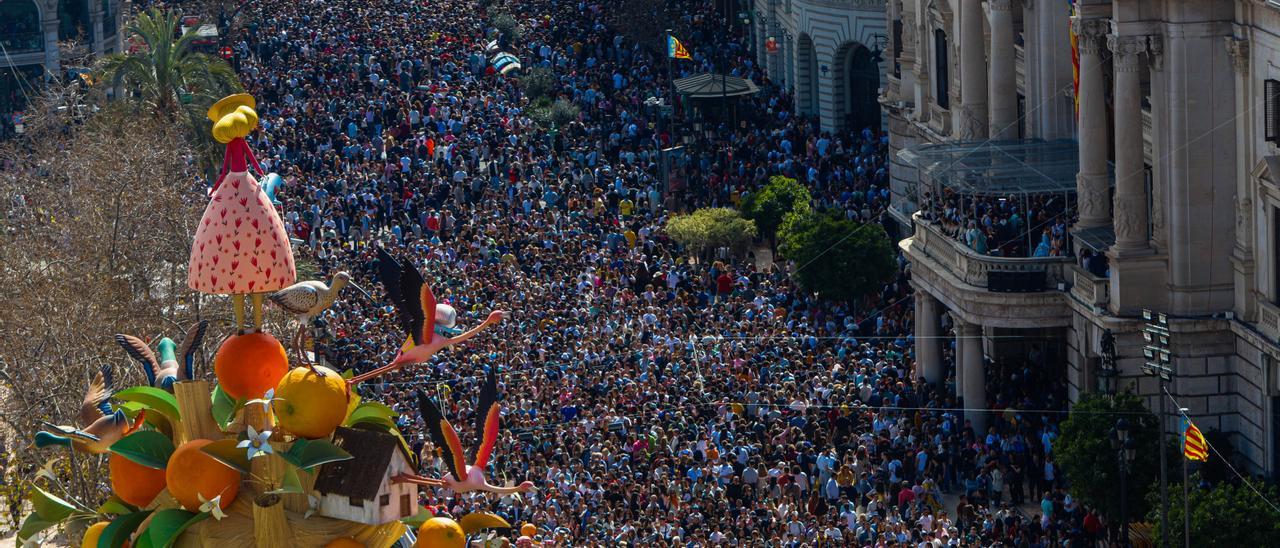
<point x="975" y="269"/>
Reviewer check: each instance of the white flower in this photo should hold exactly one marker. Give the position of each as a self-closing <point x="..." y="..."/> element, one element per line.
<point x="256" y="443"/>
<point x="212" y="506"/>
<point x="265" y="400"/>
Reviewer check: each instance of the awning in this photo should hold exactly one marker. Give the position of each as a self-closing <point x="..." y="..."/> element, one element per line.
<point x="714" y="86"/>
<point x="998" y="168"/>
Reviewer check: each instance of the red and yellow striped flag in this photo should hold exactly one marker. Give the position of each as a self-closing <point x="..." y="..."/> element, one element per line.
<point x="1193" y="445"/>
<point x="1075" y="61"/>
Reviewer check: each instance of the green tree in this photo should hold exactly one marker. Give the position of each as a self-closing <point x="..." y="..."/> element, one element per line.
<point x="771" y="204"/>
<point x="835" y="257"/>
<point x="1224" y="515"/>
<point x="1092" y="465"/>
<point x="706" y="229"/>
<point x="169" y="79"/>
<point x="538" y="82"/>
<point x="167" y="75"/>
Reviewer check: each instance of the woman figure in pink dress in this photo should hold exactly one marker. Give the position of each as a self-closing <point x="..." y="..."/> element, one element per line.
<point x="241" y="247"/>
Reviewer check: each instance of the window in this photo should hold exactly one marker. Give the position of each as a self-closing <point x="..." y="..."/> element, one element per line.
<point x="1271" y="110"/>
<point x="405" y="505"/>
<point x="942" y="81"/>
<point x="356" y="502"/>
<point x="384" y="500"/>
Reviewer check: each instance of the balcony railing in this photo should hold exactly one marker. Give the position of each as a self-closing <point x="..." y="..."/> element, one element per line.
<point x="1090" y="289"/>
<point x="972" y="267"/>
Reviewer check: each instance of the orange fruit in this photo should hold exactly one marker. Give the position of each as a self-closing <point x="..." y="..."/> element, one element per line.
<point x="344" y="542"/>
<point x="93" y="533"/>
<point x="440" y="533"/>
<point x="192" y="474"/>
<point x="309" y="405"/>
<point x="529" y="530"/>
<point x="134" y="483"/>
<point x="249" y="365"/>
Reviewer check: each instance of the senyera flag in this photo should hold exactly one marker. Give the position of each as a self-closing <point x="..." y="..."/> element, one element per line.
<point x="675" y="49"/>
<point x="1193" y="445"/>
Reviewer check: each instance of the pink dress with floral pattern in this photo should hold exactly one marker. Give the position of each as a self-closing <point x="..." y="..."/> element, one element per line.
<point x="241" y="246"/>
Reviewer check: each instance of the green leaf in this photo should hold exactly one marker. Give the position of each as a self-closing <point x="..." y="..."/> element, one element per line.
<point x="167" y="525"/>
<point x="415" y="521"/>
<point x="375" y="423"/>
<point x="115" y="535"/>
<point x="307" y="454"/>
<point x="32" y="525"/>
<point x="289" y="484"/>
<point x="370" y="410"/>
<point x="116" y="506"/>
<point x="146" y="447"/>
<point x="226" y="452"/>
<point x="224" y="407"/>
<point x="155" y="399"/>
<point x="49" y="507"/>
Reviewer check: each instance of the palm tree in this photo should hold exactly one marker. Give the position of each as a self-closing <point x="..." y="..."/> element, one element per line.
<point x="162" y="74"/>
<point x="169" y="78"/>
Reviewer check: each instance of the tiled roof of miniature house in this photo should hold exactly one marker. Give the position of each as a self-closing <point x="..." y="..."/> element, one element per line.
<point x="360" y="476"/>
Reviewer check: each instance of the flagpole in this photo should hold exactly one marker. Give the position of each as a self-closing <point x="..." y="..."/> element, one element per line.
<point x="1186" y="482"/>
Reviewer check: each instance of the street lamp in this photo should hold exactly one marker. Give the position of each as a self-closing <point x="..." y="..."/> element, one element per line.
<point x="1126" y="450"/>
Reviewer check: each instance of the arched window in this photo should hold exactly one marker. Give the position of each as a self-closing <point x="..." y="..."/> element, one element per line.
<point x="20" y="26"/>
<point x="942" y="80"/>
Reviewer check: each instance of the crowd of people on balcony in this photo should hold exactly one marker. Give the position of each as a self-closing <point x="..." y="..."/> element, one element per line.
<point x="1018" y="225"/>
<point x="652" y="400"/>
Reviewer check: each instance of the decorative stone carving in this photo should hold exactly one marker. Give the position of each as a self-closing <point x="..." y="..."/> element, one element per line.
<point x="1090" y="34"/>
<point x="1126" y="50"/>
<point x="1155" y="52"/>
<point x="1238" y="49"/>
<point x="1093" y="204"/>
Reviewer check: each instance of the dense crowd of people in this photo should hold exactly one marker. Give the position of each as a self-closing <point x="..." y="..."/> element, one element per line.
<point x="651" y="399"/>
<point x="1033" y="225"/>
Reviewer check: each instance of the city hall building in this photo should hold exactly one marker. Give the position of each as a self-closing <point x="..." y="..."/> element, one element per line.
<point x="1136" y="142"/>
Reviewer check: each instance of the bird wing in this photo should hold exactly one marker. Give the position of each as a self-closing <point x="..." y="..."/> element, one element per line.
<point x="444" y="437"/>
<point x="95" y="405"/>
<point x="424" y="310"/>
<point x="70" y="432"/>
<point x="402" y="281"/>
<point x="138" y="350"/>
<point x="298" y="298"/>
<point x="487" y="418"/>
<point x="190" y="345"/>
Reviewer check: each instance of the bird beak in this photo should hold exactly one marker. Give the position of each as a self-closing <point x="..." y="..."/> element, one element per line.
<point x="361" y="290"/>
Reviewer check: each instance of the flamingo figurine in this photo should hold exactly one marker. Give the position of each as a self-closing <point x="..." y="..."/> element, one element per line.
<point x="100" y="426"/>
<point x="446" y="441"/>
<point x="414" y="300"/>
<point x="308" y="299"/>
<point x="166" y="369"/>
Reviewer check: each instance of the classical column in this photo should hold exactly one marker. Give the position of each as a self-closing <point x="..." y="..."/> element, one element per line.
<point x="972" y="123"/>
<point x="1131" y="214"/>
<point x="96" y="17"/>
<point x="1003" y="80"/>
<point x="973" y="374"/>
<point x="1093" y="181"/>
<point x="52" y="66"/>
<point x="928" y="344"/>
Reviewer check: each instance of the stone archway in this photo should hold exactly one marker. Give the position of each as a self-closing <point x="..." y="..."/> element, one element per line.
<point x="806" y="76"/>
<point x="857" y="87"/>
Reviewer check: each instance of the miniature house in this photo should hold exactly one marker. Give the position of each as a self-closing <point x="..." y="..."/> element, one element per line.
<point x="360" y="489"/>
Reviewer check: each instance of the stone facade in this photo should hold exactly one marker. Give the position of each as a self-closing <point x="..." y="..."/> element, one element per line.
<point x="97" y="23"/>
<point x="822" y="49"/>
<point x="1175" y="172"/>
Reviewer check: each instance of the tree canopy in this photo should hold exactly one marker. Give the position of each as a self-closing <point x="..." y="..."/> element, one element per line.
<point x="1092" y="465"/>
<point x="770" y="205"/>
<point x="709" y="228"/>
<point x="836" y="257"/>
<point x="1228" y="514"/>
